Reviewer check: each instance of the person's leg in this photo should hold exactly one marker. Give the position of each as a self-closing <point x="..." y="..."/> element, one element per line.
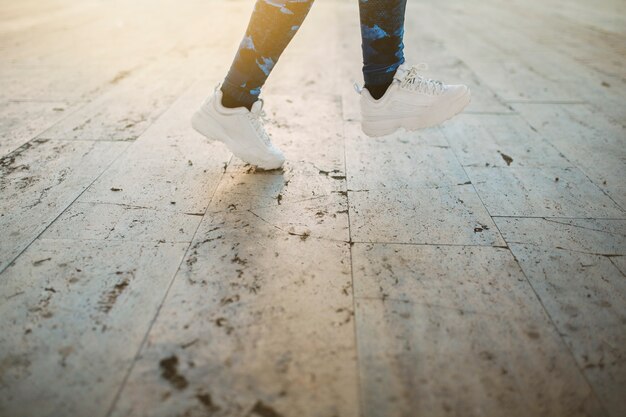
<point x="382" y="29"/>
<point x="232" y="114"/>
<point x="272" y="26"/>
<point x="395" y="95"/>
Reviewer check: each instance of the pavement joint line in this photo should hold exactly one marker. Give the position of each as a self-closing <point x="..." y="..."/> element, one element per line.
<point x="560" y="248"/>
<point x="386" y="298"/>
<point x="359" y="384"/>
<point x="576" y="167"/>
<point x="12" y="261"/>
<point x="503" y="216"/>
<point x="459" y="245"/>
<point x="158" y="310"/>
<point x="561" y="337"/>
<point x="537" y="297"/>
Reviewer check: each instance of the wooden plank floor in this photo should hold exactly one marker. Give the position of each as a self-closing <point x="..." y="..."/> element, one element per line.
<point x="473" y="269"/>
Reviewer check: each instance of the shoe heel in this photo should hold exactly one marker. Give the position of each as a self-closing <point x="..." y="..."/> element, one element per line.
<point x="202" y="126"/>
<point x="379" y="128"/>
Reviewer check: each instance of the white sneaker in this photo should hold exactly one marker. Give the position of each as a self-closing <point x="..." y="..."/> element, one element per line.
<point x="240" y="129"/>
<point x="412" y="102"/>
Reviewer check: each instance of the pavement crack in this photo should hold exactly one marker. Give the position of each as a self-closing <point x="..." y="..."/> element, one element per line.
<point x="547" y="248"/>
<point x="273" y="225"/>
<point x="304" y="235"/>
<point x="583" y="227"/>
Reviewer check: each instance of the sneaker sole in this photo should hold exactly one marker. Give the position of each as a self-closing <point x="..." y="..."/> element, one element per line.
<point x="207" y="127"/>
<point x="377" y="128"/>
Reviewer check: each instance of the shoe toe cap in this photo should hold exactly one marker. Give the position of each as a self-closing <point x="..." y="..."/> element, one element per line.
<point x="273" y="160"/>
<point x="458" y="90"/>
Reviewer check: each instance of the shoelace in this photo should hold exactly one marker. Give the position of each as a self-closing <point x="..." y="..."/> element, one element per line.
<point x="415" y="82"/>
<point x="257" y="118"/>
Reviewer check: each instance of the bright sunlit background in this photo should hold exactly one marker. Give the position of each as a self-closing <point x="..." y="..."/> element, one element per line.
<point x="471" y="269"/>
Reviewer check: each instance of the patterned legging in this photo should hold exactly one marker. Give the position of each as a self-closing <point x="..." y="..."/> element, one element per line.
<point x="274" y="23"/>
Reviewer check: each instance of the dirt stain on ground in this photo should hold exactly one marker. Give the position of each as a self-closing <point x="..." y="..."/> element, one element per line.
<point x="263" y="410"/>
<point x="110" y="298"/>
<point x="227" y="300"/>
<point x="169" y="372"/>
<point x="481" y="228"/>
<point x="206" y="400"/>
<point x="223" y="322"/>
<point x="238" y="260"/>
<point x="41" y="261"/>
<point x="533" y="334"/>
<point x="120" y="76"/>
<point x="506" y="158"/>
<point x="8" y="163"/>
<point x="334" y="174"/>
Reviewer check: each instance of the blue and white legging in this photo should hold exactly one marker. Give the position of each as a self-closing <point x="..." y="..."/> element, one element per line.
<point x="274" y="23"/>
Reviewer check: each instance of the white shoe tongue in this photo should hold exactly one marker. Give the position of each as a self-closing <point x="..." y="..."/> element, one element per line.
<point x="401" y="72"/>
<point x="403" y="69"/>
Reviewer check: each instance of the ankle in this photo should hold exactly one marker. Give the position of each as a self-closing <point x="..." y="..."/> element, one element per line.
<point x="377" y="90"/>
<point x="232" y="102"/>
